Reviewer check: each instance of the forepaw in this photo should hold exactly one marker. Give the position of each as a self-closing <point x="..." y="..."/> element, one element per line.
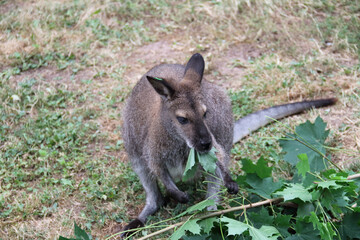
<point x="232" y="187"/>
<point x="136" y="223"/>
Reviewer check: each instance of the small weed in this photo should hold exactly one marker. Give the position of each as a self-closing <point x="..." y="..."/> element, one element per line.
<point x="341" y="27"/>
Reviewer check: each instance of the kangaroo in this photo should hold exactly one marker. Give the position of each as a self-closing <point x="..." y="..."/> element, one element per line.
<point x="173" y="109"/>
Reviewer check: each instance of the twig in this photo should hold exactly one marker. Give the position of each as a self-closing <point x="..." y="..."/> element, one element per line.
<point x="353" y="176"/>
<point x="252" y="205"/>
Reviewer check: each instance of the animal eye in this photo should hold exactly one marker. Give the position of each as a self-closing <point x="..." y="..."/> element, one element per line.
<point x="182" y="120"/>
<point x="205" y="113"/>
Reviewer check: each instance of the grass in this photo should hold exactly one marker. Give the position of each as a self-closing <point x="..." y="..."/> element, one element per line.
<point x="66" y="68"/>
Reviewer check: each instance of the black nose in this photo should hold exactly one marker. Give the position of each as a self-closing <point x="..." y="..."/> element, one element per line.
<point x="205" y="144"/>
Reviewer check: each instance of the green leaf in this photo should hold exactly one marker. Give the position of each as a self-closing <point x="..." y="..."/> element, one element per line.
<point x="207" y="224"/>
<point x="79" y="233"/>
<point x="190" y="168"/>
<point x="96" y="12"/>
<point x="199" y="206"/>
<point x="208" y="161"/>
<point x="270" y="232"/>
<point x="309" y="180"/>
<point x="197" y="237"/>
<point x="351" y="225"/>
<point x="309" y="136"/>
<point x="234" y="227"/>
<point x="42" y="153"/>
<point x="295" y="191"/>
<point x="329" y="184"/>
<point x="304" y="209"/>
<point x="263" y="170"/>
<point x="303" y="165"/>
<point x="190" y="226"/>
<point x="260" y="218"/>
<point x="64" y="238"/>
<point x="304" y="231"/>
<point x="258" y="234"/>
<point x="260" y="168"/>
<point x="282" y="223"/>
<point x="262" y="187"/>
<point x="332" y="199"/>
<point x="333" y="175"/>
<point x="66" y="182"/>
<point x="248" y="166"/>
<point x="325" y="228"/>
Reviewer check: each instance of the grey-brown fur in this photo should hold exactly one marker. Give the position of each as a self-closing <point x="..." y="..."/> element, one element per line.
<point x="158" y="143"/>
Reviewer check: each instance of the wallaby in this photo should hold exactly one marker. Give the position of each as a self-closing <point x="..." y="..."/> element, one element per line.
<point x="173" y="109"/>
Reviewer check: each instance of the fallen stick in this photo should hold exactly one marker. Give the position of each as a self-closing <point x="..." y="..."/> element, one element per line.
<point x="213" y="214"/>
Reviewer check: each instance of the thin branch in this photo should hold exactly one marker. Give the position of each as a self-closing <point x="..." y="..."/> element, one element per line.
<point x="213" y="214"/>
<point x="351" y="177"/>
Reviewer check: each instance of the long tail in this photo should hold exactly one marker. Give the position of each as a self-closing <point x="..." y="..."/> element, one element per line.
<point x="244" y="126"/>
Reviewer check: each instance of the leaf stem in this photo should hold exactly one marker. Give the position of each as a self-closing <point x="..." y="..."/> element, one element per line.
<point x="221" y="231"/>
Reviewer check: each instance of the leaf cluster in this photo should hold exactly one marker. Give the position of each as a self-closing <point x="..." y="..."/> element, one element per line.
<point x="207" y="162"/>
<point x="318" y="202"/>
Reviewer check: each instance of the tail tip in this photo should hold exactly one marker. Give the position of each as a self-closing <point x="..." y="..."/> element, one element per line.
<point x="333" y="100"/>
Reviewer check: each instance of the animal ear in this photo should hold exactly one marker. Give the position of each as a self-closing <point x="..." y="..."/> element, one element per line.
<point x="194" y="69"/>
<point x="161" y="86"/>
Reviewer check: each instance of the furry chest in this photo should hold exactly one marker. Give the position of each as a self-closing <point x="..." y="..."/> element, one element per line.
<point x="176" y="162"/>
<point x="176" y="172"/>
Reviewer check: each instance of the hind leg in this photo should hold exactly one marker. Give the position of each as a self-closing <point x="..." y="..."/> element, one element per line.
<point x="154" y="198"/>
<point x="213" y="189"/>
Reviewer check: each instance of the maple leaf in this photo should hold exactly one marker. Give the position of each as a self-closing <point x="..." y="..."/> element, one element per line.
<point x="235" y="227"/>
<point x="260" y="168"/>
<point x="309" y="139"/>
<point x="207" y="161"/>
<point x="294" y="191"/>
<point x="191" y="166"/>
<point x="303" y="165"/>
<point x="190" y="226"/>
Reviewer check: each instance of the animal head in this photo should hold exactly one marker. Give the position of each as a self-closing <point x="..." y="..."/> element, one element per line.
<point x="183" y="103"/>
